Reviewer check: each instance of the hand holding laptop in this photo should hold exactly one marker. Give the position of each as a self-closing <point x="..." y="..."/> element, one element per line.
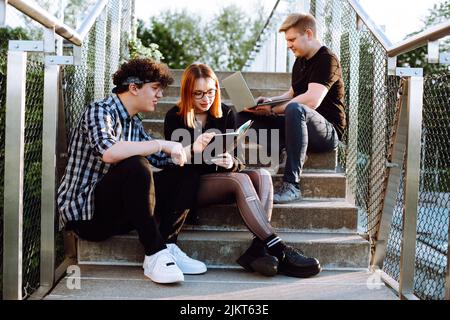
<point x="242" y="97"/>
<point x="263" y="107"/>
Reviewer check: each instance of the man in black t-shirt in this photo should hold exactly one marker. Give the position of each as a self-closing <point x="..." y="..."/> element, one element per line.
<point x="314" y="118"/>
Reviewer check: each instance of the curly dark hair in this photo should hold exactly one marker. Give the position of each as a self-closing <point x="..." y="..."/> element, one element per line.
<point x="145" y="70"/>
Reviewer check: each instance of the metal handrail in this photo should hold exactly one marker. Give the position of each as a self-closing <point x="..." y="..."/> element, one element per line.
<point x="266" y="24"/>
<point x="40" y="15"/>
<point x="87" y="24"/>
<point x="430" y="34"/>
<point x="373" y="27"/>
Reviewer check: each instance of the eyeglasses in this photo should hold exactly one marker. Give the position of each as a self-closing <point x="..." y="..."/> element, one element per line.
<point x="211" y="93"/>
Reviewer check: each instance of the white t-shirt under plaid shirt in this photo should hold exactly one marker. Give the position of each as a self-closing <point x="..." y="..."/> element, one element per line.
<point x="103" y="124"/>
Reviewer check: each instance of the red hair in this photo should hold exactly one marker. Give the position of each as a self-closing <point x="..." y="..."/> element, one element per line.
<point x="186" y="104"/>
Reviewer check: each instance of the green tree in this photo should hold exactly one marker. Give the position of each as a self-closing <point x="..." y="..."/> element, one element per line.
<point x="418" y="57"/>
<point x="224" y="43"/>
<point x="178" y="36"/>
<point x="7" y="34"/>
<point x="231" y="37"/>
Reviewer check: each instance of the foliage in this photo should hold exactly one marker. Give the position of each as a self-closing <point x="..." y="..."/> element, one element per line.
<point x="224" y="42"/>
<point x="74" y="11"/>
<point x="7" y="34"/>
<point x="138" y="50"/>
<point x="178" y="36"/>
<point x="418" y="58"/>
<point x="231" y="37"/>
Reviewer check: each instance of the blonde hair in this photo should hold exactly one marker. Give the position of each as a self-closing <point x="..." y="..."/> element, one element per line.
<point x="301" y="22"/>
<point x="186" y="104"/>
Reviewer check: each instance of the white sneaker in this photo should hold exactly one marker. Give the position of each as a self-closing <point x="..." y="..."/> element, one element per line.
<point x="161" y="268"/>
<point x="186" y="264"/>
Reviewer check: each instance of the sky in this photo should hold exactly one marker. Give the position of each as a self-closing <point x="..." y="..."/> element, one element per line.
<point x="400" y="17"/>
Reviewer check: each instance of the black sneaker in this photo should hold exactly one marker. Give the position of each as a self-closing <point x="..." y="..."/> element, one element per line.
<point x="256" y="258"/>
<point x="295" y="264"/>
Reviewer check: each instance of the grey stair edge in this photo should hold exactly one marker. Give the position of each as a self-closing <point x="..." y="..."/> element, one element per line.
<point x="210" y="266"/>
<point x="286" y="236"/>
<point x="311" y="203"/>
<point x="345" y="231"/>
<point x="333" y="250"/>
<point x="242" y="235"/>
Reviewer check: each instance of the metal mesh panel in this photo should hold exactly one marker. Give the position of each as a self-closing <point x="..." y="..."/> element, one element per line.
<point x="127" y="14"/>
<point x="32" y="174"/>
<point x="102" y="51"/>
<point x="434" y="197"/>
<point x="391" y="264"/>
<point x="3" y="55"/>
<point x="92" y="79"/>
<point x="371" y="102"/>
<point x="101" y="56"/>
<point x="371" y="99"/>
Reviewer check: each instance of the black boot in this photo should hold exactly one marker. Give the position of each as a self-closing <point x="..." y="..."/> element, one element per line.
<point x="256" y="258"/>
<point x="294" y="263"/>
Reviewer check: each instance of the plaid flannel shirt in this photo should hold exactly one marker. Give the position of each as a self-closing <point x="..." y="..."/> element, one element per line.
<point x="103" y="124"/>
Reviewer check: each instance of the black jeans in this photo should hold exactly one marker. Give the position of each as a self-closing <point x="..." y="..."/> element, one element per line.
<point x="301" y="129"/>
<point x="131" y="197"/>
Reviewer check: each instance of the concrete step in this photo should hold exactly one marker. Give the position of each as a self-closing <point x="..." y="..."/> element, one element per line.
<point x="129" y="283"/>
<point x="221" y="249"/>
<point x="173" y="92"/>
<point x="325" y="162"/>
<point x="307" y="215"/>
<point x="319" y="185"/>
<point x="263" y="80"/>
<point x="155" y="127"/>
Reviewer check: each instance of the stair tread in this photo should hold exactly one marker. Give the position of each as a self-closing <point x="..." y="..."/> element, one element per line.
<point x="238" y="236"/>
<point x="307" y="203"/>
<point x="124" y="282"/>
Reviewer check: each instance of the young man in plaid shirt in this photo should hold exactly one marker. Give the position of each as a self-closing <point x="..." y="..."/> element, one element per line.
<point x="109" y="186"/>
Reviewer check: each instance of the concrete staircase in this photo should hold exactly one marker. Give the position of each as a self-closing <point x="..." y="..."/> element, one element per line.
<point x="323" y="224"/>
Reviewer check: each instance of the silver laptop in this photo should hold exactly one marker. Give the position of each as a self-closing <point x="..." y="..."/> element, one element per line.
<point x="241" y="95"/>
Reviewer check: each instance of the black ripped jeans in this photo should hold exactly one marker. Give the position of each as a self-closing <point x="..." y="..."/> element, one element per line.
<point x="131" y="197"/>
<point x="301" y="129"/>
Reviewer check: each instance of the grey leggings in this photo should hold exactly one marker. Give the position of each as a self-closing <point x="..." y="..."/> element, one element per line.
<point x="252" y="190"/>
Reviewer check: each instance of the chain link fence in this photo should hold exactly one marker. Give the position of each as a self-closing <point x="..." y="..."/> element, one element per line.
<point x="3" y="55"/>
<point x="32" y="170"/>
<point x="371" y="99"/>
<point x="105" y="47"/>
<point x="32" y="174"/>
<point x="434" y="196"/>
<point x="103" y="50"/>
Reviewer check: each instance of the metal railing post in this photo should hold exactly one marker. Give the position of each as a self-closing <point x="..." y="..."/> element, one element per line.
<point x="48" y="195"/>
<point x="378" y="153"/>
<point x="99" y="75"/>
<point x="408" y="248"/>
<point x="14" y="175"/>
<point x="393" y="182"/>
<point x="352" y="143"/>
<point x="3" y="9"/>
<point x="447" y="273"/>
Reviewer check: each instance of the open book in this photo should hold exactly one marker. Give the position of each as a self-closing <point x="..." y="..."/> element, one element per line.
<point x="237" y="136"/>
<point x="242" y="130"/>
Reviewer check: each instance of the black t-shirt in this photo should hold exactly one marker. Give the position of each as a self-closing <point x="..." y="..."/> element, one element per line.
<point x="323" y="68"/>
